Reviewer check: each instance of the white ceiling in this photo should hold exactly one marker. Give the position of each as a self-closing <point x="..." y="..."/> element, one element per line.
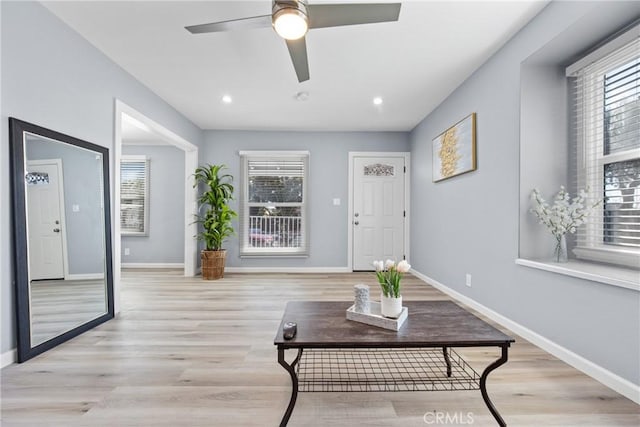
<point x="413" y="64"/>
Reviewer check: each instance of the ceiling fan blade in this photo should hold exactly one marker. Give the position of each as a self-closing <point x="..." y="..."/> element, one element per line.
<point x="298" y="52"/>
<point x="232" y="25"/>
<point x="336" y="15"/>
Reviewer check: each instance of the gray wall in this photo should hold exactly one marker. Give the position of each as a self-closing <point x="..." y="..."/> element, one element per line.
<point x="469" y="224"/>
<point x="543" y="130"/>
<point x="81" y="173"/>
<point x="328" y="179"/>
<point x="52" y="77"/>
<point x="164" y="242"/>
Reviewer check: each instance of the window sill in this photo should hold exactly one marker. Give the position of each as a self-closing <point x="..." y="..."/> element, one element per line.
<point x="134" y="234"/>
<point x="622" y="257"/>
<point x="616" y="276"/>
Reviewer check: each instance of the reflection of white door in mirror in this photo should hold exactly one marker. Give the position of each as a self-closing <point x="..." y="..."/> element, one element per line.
<point x="45" y="219"/>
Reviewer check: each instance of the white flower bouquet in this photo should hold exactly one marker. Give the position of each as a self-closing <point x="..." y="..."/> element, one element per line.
<point x="564" y="216"/>
<point x="389" y="275"/>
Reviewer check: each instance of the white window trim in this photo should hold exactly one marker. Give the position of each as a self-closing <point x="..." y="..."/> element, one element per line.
<point x="594" y="249"/>
<point x="273" y="252"/>
<point x="138" y="158"/>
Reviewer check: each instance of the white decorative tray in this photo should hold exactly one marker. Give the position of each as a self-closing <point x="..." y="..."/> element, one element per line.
<point x="375" y="318"/>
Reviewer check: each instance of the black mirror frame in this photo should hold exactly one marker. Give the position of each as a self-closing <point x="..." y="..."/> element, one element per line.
<point x="17" y="128"/>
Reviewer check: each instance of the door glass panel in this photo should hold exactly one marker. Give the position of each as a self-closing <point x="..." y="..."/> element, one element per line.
<point x="379" y="169"/>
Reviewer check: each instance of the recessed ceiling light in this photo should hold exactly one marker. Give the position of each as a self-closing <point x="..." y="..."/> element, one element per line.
<point x="377" y="101"/>
<point x="226" y="99"/>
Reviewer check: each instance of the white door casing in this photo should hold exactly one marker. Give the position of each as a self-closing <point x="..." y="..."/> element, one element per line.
<point x="45" y="221"/>
<point x="191" y="253"/>
<point x="378" y="209"/>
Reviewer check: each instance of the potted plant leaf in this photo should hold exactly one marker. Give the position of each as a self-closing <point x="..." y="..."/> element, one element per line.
<point x="216" y="218"/>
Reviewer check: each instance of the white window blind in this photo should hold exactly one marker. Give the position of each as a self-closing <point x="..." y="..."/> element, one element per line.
<point x="607" y="120"/>
<point x="134" y="195"/>
<point x="273" y="220"/>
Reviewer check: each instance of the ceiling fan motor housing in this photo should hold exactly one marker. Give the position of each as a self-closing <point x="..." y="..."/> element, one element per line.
<point x="300" y="5"/>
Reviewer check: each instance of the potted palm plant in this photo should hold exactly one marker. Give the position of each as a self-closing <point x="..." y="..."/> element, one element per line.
<point x="216" y="218"/>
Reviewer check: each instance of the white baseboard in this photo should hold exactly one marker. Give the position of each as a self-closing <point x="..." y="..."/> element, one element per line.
<point x="320" y="270"/>
<point x="93" y="276"/>
<point x="8" y="357"/>
<point x="606" y="377"/>
<point x="152" y="265"/>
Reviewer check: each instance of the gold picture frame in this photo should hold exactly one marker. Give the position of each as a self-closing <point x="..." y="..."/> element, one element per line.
<point x="454" y="150"/>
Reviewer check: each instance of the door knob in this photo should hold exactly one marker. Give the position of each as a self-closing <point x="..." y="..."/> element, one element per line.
<point x="356" y="214"/>
<point x="356" y="223"/>
<point x="56" y="230"/>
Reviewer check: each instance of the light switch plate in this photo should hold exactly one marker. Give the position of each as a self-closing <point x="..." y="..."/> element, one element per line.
<point x="336" y="202"/>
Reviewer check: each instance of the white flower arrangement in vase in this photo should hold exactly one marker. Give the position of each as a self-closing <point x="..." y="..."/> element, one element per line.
<point x="389" y="276"/>
<point x="564" y="216"/>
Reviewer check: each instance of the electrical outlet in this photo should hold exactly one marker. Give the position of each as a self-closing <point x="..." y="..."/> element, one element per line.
<point x="127" y="251"/>
<point x="468" y="280"/>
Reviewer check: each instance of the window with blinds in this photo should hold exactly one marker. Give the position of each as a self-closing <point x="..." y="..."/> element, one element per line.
<point x="134" y="195"/>
<point x="607" y="119"/>
<point x="273" y="218"/>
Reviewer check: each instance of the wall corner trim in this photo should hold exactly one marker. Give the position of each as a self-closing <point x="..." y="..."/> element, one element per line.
<point x="613" y="381"/>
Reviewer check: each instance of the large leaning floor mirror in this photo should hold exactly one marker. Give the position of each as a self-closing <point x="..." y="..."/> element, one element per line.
<point x="62" y="238"/>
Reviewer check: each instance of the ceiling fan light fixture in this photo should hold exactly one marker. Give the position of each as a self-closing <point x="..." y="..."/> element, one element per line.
<point x="290" y="23"/>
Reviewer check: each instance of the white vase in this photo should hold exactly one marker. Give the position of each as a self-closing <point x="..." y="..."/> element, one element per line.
<point x="390" y="307"/>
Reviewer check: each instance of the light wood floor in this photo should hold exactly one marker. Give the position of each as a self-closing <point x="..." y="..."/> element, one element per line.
<point x="186" y="352"/>
<point x="60" y="305"/>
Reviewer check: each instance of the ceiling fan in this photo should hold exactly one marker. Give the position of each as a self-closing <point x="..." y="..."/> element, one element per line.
<point x="291" y="19"/>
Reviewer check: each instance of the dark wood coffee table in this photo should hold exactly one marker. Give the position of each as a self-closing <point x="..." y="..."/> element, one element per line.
<point x="336" y="354"/>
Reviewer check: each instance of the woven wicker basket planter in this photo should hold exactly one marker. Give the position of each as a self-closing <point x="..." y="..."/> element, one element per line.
<point x="213" y="264"/>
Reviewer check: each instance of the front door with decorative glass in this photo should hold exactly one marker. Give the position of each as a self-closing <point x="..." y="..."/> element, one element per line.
<point x="378" y="210"/>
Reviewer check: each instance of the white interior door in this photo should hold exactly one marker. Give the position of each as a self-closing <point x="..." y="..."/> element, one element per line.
<point x="44" y="220"/>
<point x="378" y="210"/>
